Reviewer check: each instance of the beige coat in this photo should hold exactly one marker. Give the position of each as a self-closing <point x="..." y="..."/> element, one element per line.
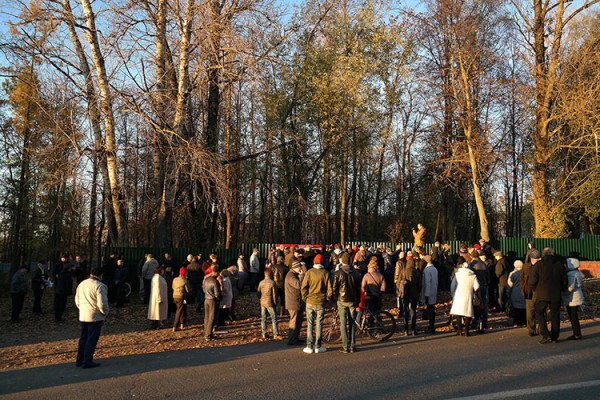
<point x="158" y="306"/>
<point x="463" y="287"/>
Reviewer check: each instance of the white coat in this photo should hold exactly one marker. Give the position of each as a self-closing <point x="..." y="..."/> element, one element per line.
<point x="430" y="284"/>
<point x="463" y="286"/>
<point x="158" y="306"/>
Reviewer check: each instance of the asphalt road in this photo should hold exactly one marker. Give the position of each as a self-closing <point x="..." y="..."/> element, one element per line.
<point x="501" y="364"/>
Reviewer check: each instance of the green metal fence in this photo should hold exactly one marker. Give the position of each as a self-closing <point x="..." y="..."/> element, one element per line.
<point x="587" y="248"/>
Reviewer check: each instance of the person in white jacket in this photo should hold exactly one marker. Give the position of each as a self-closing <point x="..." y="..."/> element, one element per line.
<point x="91" y="298"/>
<point x="254" y="270"/>
<point x="573" y="296"/>
<point x="158" y="305"/>
<point x="429" y="292"/>
<point x="463" y="287"/>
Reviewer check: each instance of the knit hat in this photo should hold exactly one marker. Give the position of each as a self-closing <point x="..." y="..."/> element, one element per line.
<point x="182" y="271"/>
<point x="476" y="246"/>
<point x="318" y="259"/>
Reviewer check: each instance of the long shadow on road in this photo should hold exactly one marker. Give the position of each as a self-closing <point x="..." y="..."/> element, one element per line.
<point x="67" y="373"/>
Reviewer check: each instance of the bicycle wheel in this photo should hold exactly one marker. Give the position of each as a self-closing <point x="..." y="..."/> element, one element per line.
<point x="381" y="326"/>
<point x="127" y="289"/>
<point x="331" y="329"/>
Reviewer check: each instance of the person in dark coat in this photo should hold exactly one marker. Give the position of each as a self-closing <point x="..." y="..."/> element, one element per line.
<point x="108" y="276"/>
<point x="63" y="287"/>
<point x="18" y="290"/>
<point x="548" y="279"/>
<point x="502" y="270"/>
<point x="120" y="278"/>
<point x="294" y="303"/>
<point x="346" y="290"/>
<point x="411" y="275"/>
<point x="195" y="277"/>
<point x="39" y="283"/>
<point x="478" y="266"/>
<point x="534" y="256"/>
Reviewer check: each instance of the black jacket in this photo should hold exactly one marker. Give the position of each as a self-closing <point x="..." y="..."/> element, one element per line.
<point x="195" y="273"/>
<point x="346" y="285"/>
<point x="548" y="278"/>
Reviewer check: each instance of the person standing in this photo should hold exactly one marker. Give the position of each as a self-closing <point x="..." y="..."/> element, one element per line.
<point x="528" y="293"/>
<point x="195" y="278"/>
<point x="181" y="291"/>
<point x="254" y="270"/>
<point x="120" y="278"/>
<point x="63" y="287"/>
<point x="18" y="290"/>
<point x="479" y="267"/>
<point x="411" y="280"/>
<point x="462" y="289"/>
<point x="279" y="273"/>
<point x="108" y="271"/>
<point x="242" y="267"/>
<point x="502" y="272"/>
<point x="429" y="291"/>
<point x="227" y="298"/>
<point x="267" y="293"/>
<point x="346" y="290"/>
<point x="293" y="302"/>
<point x="419" y="235"/>
<point x="573" y="296"/>
<point x="158" y="306"/>
<point x="516" y="295"/>
<point x="212" y="295"/>
<point x="548" y="279"/>
<point x="91" y="298"/>
<point x="148" y="274"/>
<point x="373" y="284"/>
<point x="316" y="291"/>
<point x="39" y="283"/>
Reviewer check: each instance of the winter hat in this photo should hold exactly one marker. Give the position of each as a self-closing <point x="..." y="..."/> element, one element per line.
<point x="476" y="246"/>
<point x="572" y="263"/>
<point x="318" y="259"/>
<point x="518" y="265"/>
<point x="182" y="271"/>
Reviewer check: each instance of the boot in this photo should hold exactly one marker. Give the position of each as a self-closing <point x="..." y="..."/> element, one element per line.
<point x="467" y="325"/>
<point x="406" y="332"/>
<point x="458" y="320"/>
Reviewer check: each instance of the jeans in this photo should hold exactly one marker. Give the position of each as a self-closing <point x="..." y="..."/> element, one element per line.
<point x="410" y="313"/>
<point x="314" y="312"/>
<point x="347" y="312"/>
<point x="540" y="314"/>
<point x="198" y="294"/>
<point x="90" y="333"/>
<point x="263" y="320"/>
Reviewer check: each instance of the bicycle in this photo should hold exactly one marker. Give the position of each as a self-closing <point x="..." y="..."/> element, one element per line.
<point x="379" y="325"/>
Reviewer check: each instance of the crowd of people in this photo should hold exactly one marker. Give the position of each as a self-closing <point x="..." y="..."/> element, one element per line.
<point x="305" y="281"/>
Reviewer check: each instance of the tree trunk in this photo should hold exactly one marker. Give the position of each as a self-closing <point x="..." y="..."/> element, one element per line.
<point x="116" y="200"/>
